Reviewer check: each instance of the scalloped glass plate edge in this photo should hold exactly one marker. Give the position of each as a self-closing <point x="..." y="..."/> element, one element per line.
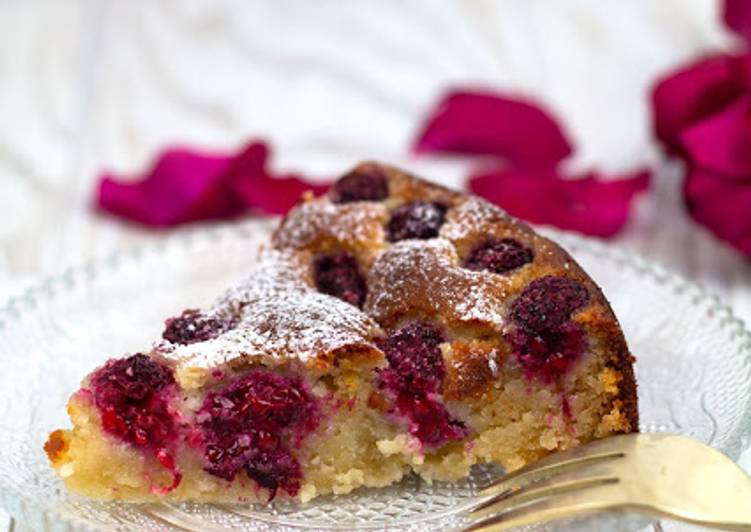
<point x="53" y="519"/>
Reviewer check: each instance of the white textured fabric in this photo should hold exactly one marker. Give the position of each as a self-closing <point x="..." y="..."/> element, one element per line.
<point x="88" y="84"/>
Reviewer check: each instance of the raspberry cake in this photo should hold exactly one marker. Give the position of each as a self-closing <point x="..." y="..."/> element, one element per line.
<point x="392" y="326"/>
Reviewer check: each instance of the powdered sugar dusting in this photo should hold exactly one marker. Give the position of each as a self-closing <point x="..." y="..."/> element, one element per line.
<point x="276" y="314"/>
<point x="493" y="363"/>
<point x="350" y="223"/>
<point x="470" y="216"/>
<point x="474" y="305"/>
<point x="424" y="278"/>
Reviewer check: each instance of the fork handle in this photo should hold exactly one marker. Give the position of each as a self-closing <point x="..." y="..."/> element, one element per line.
<point x="736" y="527"/>
<point x="536" y="514"/>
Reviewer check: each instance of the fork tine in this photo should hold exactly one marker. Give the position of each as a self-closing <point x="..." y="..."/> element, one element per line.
<point x="544" y="468"/>
<point x="581" y="502"/>
<point x="557" y="485"/>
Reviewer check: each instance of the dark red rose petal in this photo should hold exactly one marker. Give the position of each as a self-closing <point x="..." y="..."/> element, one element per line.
<point x="722" y="142"/>
<point x="694" y="92"/>
<point x="185" y="185"/>
<point x="262" y="191"/>
<point x="493" y="124"/>
<point x="721" y="204"/>
<point x="737" y="16"/>
<point x="589" y="204"/>
<point x="182" y="186"/>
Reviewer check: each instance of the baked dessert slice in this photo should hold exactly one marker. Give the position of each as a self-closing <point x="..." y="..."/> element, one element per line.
<point x="389" y="327"/>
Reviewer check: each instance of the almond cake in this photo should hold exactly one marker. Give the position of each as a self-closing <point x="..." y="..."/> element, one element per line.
<point x="390" y="327"/>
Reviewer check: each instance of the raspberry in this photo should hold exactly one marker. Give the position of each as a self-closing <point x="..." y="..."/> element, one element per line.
<point x="545" y="342"/>
<point x="546" y="303"/>
<point x="550" y="354"/>
<point x="339" y="275"/>
<point x="250" y="424"/>
<point x="131" y="380"/>
<point x="275" y="469"/>
<point x="430" y="422"/>
<point x="415" y="360"/>
<point x="415" y="374"/>
<point x="262" y="397"/>
<point x="418" y="219"/>
<point x="498" y="256"/>
<point x="227" y="453"/>
<point x="364" y="184"/>
<point x="192" y="326"/>
<point x="132" y="395"/>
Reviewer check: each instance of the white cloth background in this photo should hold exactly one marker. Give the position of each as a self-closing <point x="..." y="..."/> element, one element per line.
<point x="89" y="84"/>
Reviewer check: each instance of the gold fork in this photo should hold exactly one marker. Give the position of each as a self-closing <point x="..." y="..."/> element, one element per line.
<point x="662" y="475"/>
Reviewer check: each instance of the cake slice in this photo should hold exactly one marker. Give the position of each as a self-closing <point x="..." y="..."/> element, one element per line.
<point x="389" y="327"/>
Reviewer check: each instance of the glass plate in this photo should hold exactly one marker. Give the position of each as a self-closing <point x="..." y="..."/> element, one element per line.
<point x="694" y="373"/>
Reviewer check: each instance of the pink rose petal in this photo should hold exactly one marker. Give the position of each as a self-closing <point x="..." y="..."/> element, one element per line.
<point x="589" y="205"/>
<point x="185" y="185"/>
<point x="694" y="92"/>
<point x="181" y="187"/>
<point x="259" y="190"/>
<point x="722" y="142"/>
<point x="493" y="124"/>
<point x="737" y="16"/>
<point x="723" y="205"/>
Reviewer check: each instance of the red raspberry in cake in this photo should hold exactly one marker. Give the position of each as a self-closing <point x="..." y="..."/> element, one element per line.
<point x="414" y="357"/>
<point x="127" y="393"/>
<point x="252" y="424"/>
<point x="274" y="469"/>
<point x="130" y="380"/>
<point x="363" y="184"/>
<point x="546" y="343"/>
<point x="429" y="420"/>
<point x="192" y="326"/>
<point x="339" y="275"/>
<point x="498" y="255"/>
<point x="271" y="400"/>
<point x="226" y="450"/>
<point x="132" y="395"/>
<point x="415" y="373"/>
<point x="549" y="354"/>
<point x="546" y="303"/>
<point x="415" y="360"/>
<point x="419" y="219"/>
